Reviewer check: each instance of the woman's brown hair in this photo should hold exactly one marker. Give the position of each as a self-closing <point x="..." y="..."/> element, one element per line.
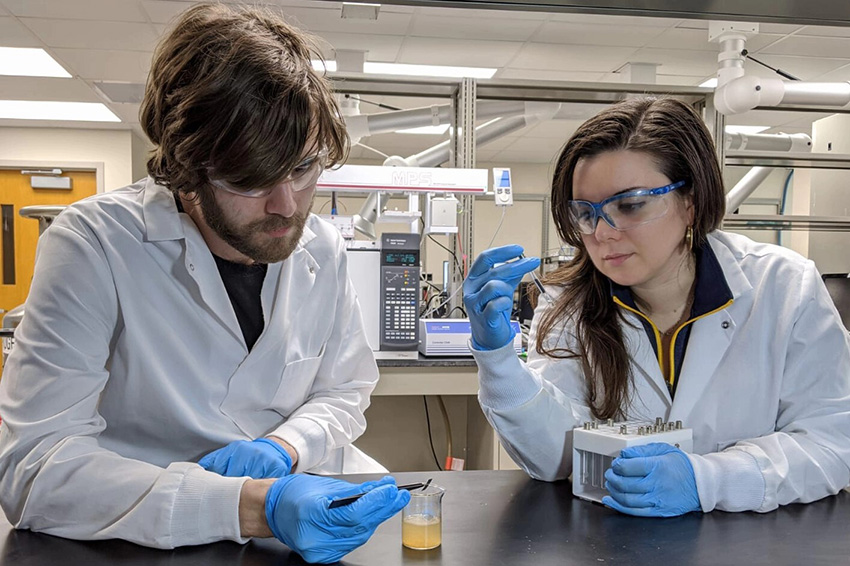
<point x="675" y="137"/>
<point x="233" y="90"/>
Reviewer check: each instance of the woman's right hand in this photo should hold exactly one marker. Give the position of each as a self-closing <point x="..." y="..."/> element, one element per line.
<point x="488" y="294"/>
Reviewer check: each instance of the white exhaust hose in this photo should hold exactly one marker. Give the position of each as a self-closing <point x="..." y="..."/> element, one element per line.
<point x="363" y="125"/>
<point x="767" y="142"/>
<point x="745" y="187"/>
<point x="484" y="134"/>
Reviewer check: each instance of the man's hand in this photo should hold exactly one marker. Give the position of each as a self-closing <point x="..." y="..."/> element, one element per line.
<point x="298" y="515"/>
<point x="258" y="459"/>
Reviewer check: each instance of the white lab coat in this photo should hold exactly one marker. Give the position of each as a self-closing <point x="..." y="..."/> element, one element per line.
<point x="130" y="364"/>
<point x="765" y="386"/>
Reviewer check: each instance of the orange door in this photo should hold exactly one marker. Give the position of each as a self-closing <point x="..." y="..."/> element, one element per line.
<point x="19" y="235"/>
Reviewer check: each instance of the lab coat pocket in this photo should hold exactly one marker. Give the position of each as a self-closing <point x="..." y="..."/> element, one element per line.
<point x="295" y="384"/>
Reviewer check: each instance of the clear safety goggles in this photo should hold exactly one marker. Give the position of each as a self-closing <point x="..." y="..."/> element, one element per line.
<point x="302" y="177"/>
<point x="622" y="211"/>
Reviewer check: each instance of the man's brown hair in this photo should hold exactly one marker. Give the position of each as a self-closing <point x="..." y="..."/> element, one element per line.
<point x="232" y="90"/>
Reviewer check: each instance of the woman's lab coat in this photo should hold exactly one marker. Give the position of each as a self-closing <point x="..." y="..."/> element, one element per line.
<point x="130" y="364"/>
<point x="765" y="386"/>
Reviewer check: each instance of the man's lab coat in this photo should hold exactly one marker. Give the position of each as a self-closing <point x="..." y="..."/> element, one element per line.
<point x="130" y="364"/>
<point x="765" y="386"/>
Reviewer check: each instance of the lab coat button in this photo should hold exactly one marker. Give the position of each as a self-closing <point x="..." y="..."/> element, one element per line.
<point x="191" y="267"/>
<point x="725" y="324"/>
<point x="311" y="270"/>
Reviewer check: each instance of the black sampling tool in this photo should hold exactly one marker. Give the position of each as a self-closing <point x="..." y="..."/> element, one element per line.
<point x="348" y="500"/>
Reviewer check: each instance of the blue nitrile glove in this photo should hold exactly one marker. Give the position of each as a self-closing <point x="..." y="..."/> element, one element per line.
<point x="488" y="293"/>
<point x="653" y="480"/>
<point x="298" y="515"/>
<point x="260" y="458"/>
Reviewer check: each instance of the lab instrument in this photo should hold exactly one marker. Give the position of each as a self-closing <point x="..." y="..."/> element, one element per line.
<point x="596" y="444"/>
<point x="450" y="336"/>
<point x="400" y="292"/>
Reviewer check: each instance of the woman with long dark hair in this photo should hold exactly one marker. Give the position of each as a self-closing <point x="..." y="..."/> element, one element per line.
<point x="660" y="314"/>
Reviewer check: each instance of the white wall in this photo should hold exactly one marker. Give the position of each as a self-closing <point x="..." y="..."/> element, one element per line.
<point x="140" y="150"/>
<point x="110" y="147"/>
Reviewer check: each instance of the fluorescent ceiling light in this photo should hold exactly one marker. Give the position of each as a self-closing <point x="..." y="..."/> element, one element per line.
<point x="323" y="66"/>
<point x="712" y="82"/>
<point x="29" y="62"/>
<point x="745" y="129"/>
<point x="432" y="130"/>
<point x="427" y="70"/>
<point x="48" y="110"/>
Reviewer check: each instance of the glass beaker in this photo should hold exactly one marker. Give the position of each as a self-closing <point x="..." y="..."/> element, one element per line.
<point x="422" y="519"/>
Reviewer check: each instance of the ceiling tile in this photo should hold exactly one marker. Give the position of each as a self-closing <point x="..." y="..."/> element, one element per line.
<point x="697" y="39"/>
<point x="13" y="34"/>
<point x="841" y="74"/>
<point x="511" y="15"/>
<point x="548" y="75"/>
<point x="129" y="66"/>
<point x="809" y="46"/>
<point x="804" y="68"/>
<point x="623" y="21"/>
<point x="44" y="88"/>
<point x="161" y="12"/>
<point x="571" y="57"/>
<point x="824" y="31"/>
<point x="473" y="28"/>
<point x="468" y="53"/>
<point x="383" y="48"/>
<point x="593" y="34"/>
<point x="678" y="61"/>
<point x="93" y="34"/>
<point x="105" y="10"/>
<point x="326" y="19"/>
<point x="129" y="113"/>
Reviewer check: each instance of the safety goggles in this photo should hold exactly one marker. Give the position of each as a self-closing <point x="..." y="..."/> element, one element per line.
<point x="302" y="177"/>
<point x="622" y="211"/>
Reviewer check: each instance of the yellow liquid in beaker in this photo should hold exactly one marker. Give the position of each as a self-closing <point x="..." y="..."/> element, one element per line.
<point x="421" y="532"/>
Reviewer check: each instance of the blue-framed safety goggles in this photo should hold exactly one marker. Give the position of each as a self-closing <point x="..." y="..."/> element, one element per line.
<point x="622" y="211"/>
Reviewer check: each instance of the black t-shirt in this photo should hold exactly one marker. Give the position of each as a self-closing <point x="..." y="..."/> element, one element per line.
<point x="244" y="283"/>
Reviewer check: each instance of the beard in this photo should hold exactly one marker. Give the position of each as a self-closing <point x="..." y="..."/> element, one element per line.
<point x="251" y="239"/>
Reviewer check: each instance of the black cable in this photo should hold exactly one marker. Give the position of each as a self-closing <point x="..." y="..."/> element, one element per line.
<point x="430" y="438"/>
<point x="779" y="72"/>
<point x="462" y="311"/>
<point x="454" y="255"/>
<point x="378" y="104"/>
<point x="439" y="289"/>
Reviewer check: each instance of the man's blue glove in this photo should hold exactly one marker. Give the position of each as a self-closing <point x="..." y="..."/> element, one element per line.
<point x="653" y="480"/>
<point x="298" y="515"/>
<point x="488" y="293"/>
<point x="261" y="458"/>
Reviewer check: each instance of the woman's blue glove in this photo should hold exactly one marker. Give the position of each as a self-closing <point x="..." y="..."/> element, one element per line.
<point x="261" y="458"/>
<point x="298" y="515"/>
<point x="653" y="480"/>
<point x="488" y="293"/>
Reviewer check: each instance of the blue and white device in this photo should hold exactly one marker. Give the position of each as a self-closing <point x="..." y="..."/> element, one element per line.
<point x="450" y="337"/>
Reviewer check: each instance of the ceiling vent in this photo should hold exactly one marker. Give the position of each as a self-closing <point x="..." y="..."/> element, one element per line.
<point x="121" y="93"/>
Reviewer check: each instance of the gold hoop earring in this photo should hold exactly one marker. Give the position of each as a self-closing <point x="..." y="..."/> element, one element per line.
<point x="689" y="238"/>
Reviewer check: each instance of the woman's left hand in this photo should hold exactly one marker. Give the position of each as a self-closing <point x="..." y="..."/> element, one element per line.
<point x="653" y="480"/>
